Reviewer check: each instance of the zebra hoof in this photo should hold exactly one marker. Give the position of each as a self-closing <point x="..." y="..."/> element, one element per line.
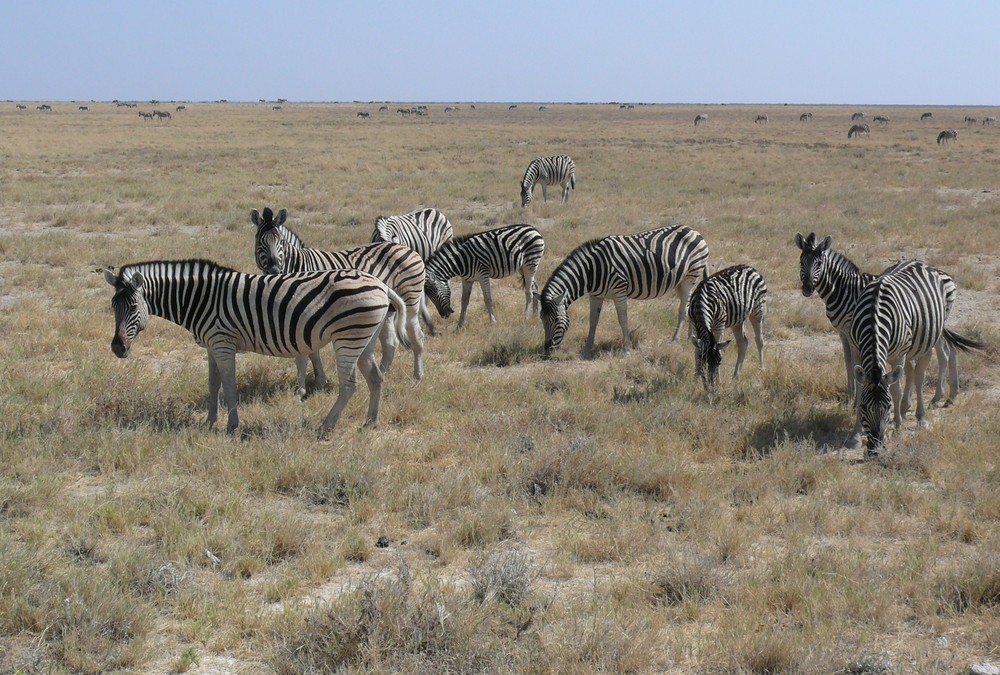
<point x="924" y="424"/>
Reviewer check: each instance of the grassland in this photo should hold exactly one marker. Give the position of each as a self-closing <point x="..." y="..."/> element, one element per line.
<point x="510" y="513"/>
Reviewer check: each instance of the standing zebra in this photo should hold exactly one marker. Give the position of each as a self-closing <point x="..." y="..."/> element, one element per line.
<point x="423" y="230"/>
<point x="482" y="256"/>
<point x="881" y="119"/>
<point x="806" y="117"/>
<point x="556" y="170"/>
<point x="857" y="129"/>
<point x="898" y="319"/>
<point x="639" y="266"/>
<point x="278" y="250"/>
<point x="926" y="116"/>
<point x="989" y="121"/>
<point x="698" y="119"/>
<point x="760" y="119"/>
<point x="857" y="116"/>
<point x="287" y="315"/>
<point x="726" y="300"/>
<point x="947" y="135"/>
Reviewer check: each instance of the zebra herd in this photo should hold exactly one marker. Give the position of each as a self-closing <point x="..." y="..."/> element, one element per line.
<point x="305" y="298"/>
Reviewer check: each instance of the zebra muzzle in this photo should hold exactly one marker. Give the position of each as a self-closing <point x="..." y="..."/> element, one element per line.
<point x="119" y="347"/>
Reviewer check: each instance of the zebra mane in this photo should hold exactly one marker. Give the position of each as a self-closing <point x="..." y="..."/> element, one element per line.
<point x="126" y="271"/>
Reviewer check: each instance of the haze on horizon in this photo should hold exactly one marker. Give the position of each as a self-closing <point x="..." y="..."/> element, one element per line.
<point x="887" y="53"/>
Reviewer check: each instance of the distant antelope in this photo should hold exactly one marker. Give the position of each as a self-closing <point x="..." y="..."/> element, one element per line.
<point x="881" y="119"/>
<point x="989" y="121"/>
<point x="947" y="135"/>
<point x="364" y="115"/>
<point x="806" y="117"/>
<point x="926" y="116"/>
<point x="698" y="119"/>
<point x="858" y="129"/>
<point x="760" y="119"/>
<point x="83" y="108"/>
<point x="971" y="120"/>
<point x="857" y="116"/>
<point x="511" y="107"/>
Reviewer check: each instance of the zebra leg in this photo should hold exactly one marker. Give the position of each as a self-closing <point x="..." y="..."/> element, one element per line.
<point x="374" y="377"/>
<point x="301" y="367"/>
<point x="484" y="283"/>
<point x="565" y="192"/>
<point x="528" y="279"/>
<point x="416" y="341"/>
<point x="904" y="403"/>
<point x="466" y="296"/>
<point x="227" y="368"/>
<point x="347" y="374"/>
<point x="918" y="377"/>
<point x="595" y="315"/>
<point x="387" y="336"/>
<point x="425" y="315"/>
<point x="742" y="342"/>
<point x="318" y="372"/>
<point x="621" y="307"/>
<point x="849" y="361"/>
<point x="757" y="323"/>
<point x="214" y="383"/>
<point x="684" y="290"/>
<point x="545" y="197"/>
<point x="900" y="392"/>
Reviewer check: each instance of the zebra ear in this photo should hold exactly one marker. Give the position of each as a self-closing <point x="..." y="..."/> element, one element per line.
<point x="136" y="280"/>
<point x="694" y="340"/>
<point x="799" y="241"/>
<point x="723" y="345"/>
<point x="826" y="243"/>
<point x="893" y="377"/>
<point x="282" y="217"/>
<point x="255" y="217"/>
<point x="110" y="276"/>
<point x="860" y="375"/>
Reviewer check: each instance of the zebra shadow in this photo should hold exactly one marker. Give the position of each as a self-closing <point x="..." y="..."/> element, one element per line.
<point x="827" y="429"/>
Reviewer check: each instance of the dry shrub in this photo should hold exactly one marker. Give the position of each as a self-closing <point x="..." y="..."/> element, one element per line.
<point x="503" y="575"/>
<point x="141" y="408"/>
<point x="969" y="585"/>
<point x="685" y="577"/>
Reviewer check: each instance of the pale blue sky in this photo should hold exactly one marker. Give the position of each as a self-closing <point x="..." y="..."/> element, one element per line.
<point x="696" y="51"/>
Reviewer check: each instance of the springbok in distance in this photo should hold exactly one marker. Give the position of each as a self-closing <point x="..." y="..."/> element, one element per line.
<point x="698" y="119"/>
<point x="364" y="115"/>
<point x="859" y="129"/>
<point x="857" y="116"/>
<point x="760" y="119"/>
<point x="881" y="119"/>
<point x="806" y="117"/>
<point x="989" y="121"/>
<point x="971" y="120"/>
<point x="926" y="116"/>
<point x="947" y="135"/>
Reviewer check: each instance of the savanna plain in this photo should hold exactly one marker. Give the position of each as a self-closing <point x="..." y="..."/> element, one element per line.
<point x="510" y="513"/>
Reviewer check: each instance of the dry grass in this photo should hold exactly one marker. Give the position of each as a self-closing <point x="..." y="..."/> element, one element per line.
<point x="511" y="513"/>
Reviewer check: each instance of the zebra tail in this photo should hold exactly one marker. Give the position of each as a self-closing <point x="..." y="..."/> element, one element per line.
<point x="965" y="344"/>
<point x="400" y="322"/>
<point x="572" y="181"/>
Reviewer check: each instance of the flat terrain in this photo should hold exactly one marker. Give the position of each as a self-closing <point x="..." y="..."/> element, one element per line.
<point x="510" y="513"/>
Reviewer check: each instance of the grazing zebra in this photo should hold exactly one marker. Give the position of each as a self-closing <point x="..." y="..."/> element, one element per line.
<point x="947" y="135"/>
<point x="639" y="266"/>
<point x="383" y="108"/>
<point x="278" y="250"/>
<point x="83" y="108"/>
<point x="760" y="119"/>
<point x="145" y="115"/>
<point x="857" y="116"/>
<point x="989" y="121"/>
<point x="482" y="256"/>
<point x="899" y="318"/>
<point x="275" y="107"/>
<point x="881" y="119"/>
<point x="926" y="116"/>
<point x="971" y="120"/>
<point x="806" y="117"/>
<point x="512" y="106"/>
<point x="162" y="114"/>
<point x="21" y="106"/>
<point x="542" y="107"/>
<point x="180" y="108"/>
<point x="858" y="129"/>
<point x="698" y="119"/>
<point x="556" y="170"/>
<point x="45" y="107"/>
<point x="288" y="315"/>
<point x="364" y="115"/>
<point x="726" y="300"/>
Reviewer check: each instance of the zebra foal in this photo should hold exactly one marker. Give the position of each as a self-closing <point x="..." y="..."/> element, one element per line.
<point x="288" y="315"/>
<point x="618" y="268"/>
<point x="279" y="250"/>
<point x="556" y="170"/>
<point x="482" y="256"/>
<point x="727" y="299"/>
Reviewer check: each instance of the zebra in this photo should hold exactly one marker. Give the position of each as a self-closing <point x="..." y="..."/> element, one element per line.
<point x="383" y="108"/>
<point x="145" y="115"/>
<point x="180" y="108"/>
<point x="83" y="108"/>
<point x="423" y="230"/>
<point x="482" y="256"/>
<point x="21" y="106"/>
<point x="947" y="135"/>
<point x="727" y="299"/>
<point x="275" y="107"/>
<point x="542" y="107"/>
<point x="857" y="116"/>
<point x="881" y="119"/>
<point x="858" y="129"/>
<point x="698" y="119"/>
<point x="970" y="120"/>
<point x="512" y="106"/>
<point x="556" y="170"/>
<point x="639" y="266"/>
<point x="926" y="116"/>
<point x="760" y="119"/>
<point x="162" y="114"/>
<point x="806" y="117"/>
<point x="277" y="249"/>
<point x="839" y="282"/>
<point x="989" y="121"/>
<point x="364" y="115"/>
<point x="288" y="315"/>
<point x="899" y="318"/>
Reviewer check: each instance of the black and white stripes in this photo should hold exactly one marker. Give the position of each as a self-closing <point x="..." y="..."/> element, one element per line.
<point x="622" y="267"/>
<point x="482" y="256"/>
<point x="423" y="230"/>
<point x="544" y="171"/>
<point x="278" y="315"/>
<point x="727" y="299"/>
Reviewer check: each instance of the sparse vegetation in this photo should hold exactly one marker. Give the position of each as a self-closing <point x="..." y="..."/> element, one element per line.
<point x="511" y="513"/>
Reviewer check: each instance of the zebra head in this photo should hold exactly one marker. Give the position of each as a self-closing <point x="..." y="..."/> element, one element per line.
<point x="526" y="190"/>
<point x="438" y="290"/>
<point x="131" y="310"/>
<point x="812" y="260"/>
<point x="875" y="403"/>
<point x="555" y="320"/>
<point x="383" y="231"/>
<point x="270" y="245"/>
<point x="708" y="358"/>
